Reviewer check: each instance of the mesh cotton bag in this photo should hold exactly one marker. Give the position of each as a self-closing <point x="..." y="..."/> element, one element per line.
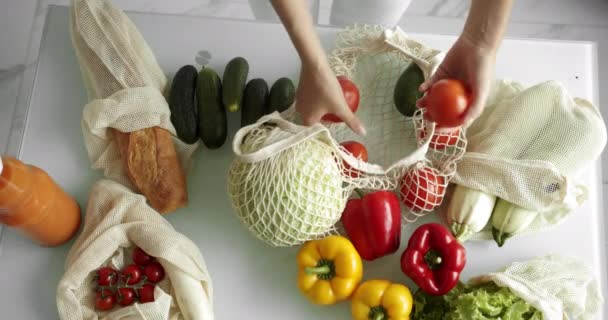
<point x="124" y="82"/>
<point x="289" y="183"/>
<point x="116" y="221"/>
<point x="529" y="146"/>
<point x="558" y="286"/>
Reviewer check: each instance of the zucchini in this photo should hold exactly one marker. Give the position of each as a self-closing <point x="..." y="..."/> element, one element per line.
<point x="211" y="111"/>
<point x="282" y="95"/>
<point x="254" y="101"/>
<point x="235" y="77"/>
<point x="406" y="90"/>
<point x="509" y="219"/>
<point x="183" y="105"/>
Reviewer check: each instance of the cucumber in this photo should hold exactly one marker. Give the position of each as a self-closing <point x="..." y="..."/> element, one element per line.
<point x="254" y="101"/>
<point x="183" y="105"/>
<point x="235" y="77"/>
<point x="406" y="90"/>
<point x="282" y="95"/>
<point x="212" y="117"/>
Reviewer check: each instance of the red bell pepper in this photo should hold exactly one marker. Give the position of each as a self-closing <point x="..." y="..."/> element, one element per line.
<point x="373" y="224"/>
<point x="433" y="259"/>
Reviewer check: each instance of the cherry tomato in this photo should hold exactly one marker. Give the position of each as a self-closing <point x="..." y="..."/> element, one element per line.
<point x="358" y="151"/>
<point x="105" y="300"/>
<point x="125" y="296"/>
<point x="106" y="276"/>
<point x="141" y="258"/>
<point x="446" y="102"/>
<point x="132" y="274"/>
<point x="154" y="272"/>
<point x="442" y="140"/>
<point x="422" y="189"/>
<point x="146" y="293"/>
<point x="351" y="95"/>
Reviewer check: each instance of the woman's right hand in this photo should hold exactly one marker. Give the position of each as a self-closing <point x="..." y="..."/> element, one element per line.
<point x="319" y="93"/>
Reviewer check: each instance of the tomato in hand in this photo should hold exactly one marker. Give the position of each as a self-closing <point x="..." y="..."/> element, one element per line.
<point x="106" y="276"/>
<point x="146" y="293"/>
<point x="351" y="95"/>
<point x="422" y="189"/>
<point x="154" y="272"/>
<point x="125" y="296"/>
<point x="441" y="140"/>
<point x="358" y="151"/>
<point x="105" y="300"/>
<point x="132" y="274"/>
<point x="140" y="257"/>
<point x="446" y="103"/>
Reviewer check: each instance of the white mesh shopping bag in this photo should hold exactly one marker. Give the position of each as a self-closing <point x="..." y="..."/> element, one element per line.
<point x="289" y="183"/>
<point x="529" y="146"/>
<point x="116" y="221"/>
<point x="558" y="286"/>
<point x="124" y="83"/>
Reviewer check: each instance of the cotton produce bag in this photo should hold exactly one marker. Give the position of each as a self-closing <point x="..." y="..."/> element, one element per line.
<point x="560" y="287"/>
<point x="289" y="183"/>
<point x="116" y="221"/>
<point x="529" y="147"/>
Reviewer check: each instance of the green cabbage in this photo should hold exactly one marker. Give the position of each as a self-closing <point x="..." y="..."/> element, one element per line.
<point x="481" y="302"/>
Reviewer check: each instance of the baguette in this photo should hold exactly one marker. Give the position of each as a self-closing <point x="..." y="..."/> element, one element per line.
<point x="151" y="163"/>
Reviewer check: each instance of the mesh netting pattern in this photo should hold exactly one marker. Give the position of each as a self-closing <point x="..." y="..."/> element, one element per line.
<point x="289" y="183"/>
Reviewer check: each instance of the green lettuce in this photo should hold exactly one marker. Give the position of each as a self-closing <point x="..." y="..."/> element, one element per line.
<point x="481" y="302"/>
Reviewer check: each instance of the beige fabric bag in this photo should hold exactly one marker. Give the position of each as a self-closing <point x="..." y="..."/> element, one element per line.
<point x="560" y="287"/>
<point x="124" y="82"/>
<point x="116" y="221"/>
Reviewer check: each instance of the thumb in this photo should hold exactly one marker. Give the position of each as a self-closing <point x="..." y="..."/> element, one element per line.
<point x="438" y="75"/>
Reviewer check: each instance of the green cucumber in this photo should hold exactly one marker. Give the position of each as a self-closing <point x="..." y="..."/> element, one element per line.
<point x="183" y="105"/>
<point x="235" y="77"/>
<point x="282" y="95"/>
<point x="406" y="90"/>
<point x="254" y="101"/>
<point x="212" y="117"/>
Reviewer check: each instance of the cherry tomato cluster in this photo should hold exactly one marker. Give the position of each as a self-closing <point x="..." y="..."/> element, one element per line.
<point x="135" y="282"/>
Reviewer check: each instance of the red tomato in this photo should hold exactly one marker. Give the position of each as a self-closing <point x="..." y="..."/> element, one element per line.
<point x="446" y="102"/>
<point x="126" y="296"/>
<point x="146" y="293"/>
<point x="106" y="276"/>
<point x="141" y="258"/>
<point x="351" y="95"/>
<point x="154" y="272"/>
<point x="358" y="151"/>
<point x="132" y="274"/>
<point x="422" y="189"/>
<point x="440" y="141"/>
<point x="105" y="300"/>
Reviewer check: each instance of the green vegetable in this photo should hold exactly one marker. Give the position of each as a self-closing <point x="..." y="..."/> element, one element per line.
<point x="235" y="77"/>
<point x="182" y="104"/>
<point x="282" y="95"/>
<point x="509" y="219"/>
<point x="211" y="112"/>
<point x="481" y="302"/>
<point x="469" y="212"/>
<point x="254" y="101"/>
<point x="406" y="90"/>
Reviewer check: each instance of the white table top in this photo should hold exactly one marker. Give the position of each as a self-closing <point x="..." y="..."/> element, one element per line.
<point x="249" y="277"/>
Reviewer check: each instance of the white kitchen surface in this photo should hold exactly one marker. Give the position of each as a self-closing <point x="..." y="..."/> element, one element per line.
<point x="249" y="277"/>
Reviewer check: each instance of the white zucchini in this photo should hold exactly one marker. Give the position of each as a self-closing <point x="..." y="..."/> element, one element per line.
<point x="191" y="296"/>
<point x="509" y="219"/>
<point x="469" y="212"/>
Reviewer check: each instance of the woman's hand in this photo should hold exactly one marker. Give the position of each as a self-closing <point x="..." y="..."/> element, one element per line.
<point x="474" y="66"/>
<point x="319" y="93"/>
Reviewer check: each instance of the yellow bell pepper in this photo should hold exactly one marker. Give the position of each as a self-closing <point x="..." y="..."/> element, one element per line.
<point x="382" y="300"/>
<point x="329" y="270"/>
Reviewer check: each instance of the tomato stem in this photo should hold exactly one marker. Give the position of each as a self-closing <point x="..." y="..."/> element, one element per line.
<point x="359" y="193"/>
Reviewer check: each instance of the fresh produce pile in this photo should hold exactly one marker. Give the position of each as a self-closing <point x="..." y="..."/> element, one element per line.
<point x="199" y="101"/>
<point x="135" y="282"/>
